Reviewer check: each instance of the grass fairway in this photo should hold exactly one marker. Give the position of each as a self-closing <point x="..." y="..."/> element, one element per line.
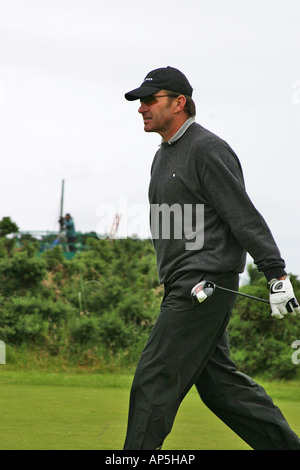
<point x="44" y="411"/>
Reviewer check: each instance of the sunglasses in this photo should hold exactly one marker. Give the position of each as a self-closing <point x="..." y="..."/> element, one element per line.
<point x="152" y="99"/>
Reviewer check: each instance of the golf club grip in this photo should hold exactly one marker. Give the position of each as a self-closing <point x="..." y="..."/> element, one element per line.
<point x="244" y="295"/>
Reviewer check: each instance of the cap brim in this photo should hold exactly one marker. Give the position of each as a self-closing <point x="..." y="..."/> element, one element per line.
<point x="141" y="92"/>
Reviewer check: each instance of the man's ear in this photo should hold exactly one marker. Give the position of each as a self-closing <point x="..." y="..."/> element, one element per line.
<point x="180" y="103"/>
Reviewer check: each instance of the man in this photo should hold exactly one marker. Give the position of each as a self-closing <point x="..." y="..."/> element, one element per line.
<point x="70" y="232"/>
<point x="188" y="345"/>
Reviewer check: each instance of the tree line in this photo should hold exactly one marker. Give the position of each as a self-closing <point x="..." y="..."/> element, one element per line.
<point x="97" y="308"/>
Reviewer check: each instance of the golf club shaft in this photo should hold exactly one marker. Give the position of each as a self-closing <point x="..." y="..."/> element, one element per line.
<point x="244" y="295"/>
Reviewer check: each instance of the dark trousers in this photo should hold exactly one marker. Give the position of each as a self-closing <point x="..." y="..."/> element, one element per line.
<point x="189" y="346"/>
<point x="71" y="243"/>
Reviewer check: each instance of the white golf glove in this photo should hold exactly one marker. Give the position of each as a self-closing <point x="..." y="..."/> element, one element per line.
<point x="282" y="298"/>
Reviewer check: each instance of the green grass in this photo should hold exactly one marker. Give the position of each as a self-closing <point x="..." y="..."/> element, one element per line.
<point x="48" y="411"/>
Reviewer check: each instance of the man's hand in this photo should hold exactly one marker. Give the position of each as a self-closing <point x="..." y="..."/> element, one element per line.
<point x="282" y="298"/>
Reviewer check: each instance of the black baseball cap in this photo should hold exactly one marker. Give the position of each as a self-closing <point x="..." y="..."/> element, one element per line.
<point x="166" y="78"/>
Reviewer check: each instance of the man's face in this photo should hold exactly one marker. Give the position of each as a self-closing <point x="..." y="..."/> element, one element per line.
<point x="158" y="116"/>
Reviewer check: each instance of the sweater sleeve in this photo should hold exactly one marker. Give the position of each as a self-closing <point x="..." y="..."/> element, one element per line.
<point x="223" y="184"/>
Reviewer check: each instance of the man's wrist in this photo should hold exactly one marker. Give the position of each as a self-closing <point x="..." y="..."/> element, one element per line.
<point x="275" y="279"/>
<point x="274" y="273"/>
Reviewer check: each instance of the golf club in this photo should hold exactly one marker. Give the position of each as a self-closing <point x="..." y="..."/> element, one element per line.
<point x="202" y="291"/>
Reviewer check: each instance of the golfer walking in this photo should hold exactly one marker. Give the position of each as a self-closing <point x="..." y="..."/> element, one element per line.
<point x="188" y="345"/>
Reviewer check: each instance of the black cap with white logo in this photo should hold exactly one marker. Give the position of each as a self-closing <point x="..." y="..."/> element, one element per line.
<point x="167" y="78"/>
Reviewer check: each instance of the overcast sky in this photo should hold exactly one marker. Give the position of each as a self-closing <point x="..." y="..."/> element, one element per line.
<point x="66" y="64"/>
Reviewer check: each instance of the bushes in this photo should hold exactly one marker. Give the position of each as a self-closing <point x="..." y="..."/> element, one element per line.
<point x="100" y="306"/>
<point x="105" y="299"/>
<point x="20" y="273"/>
<point x="261" y="344"/>
<point x="118" y="303"/>
<point x="30" y="319"/>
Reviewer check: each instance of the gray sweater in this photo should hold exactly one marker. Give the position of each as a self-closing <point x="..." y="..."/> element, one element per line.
<point x="200" y="170"/>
